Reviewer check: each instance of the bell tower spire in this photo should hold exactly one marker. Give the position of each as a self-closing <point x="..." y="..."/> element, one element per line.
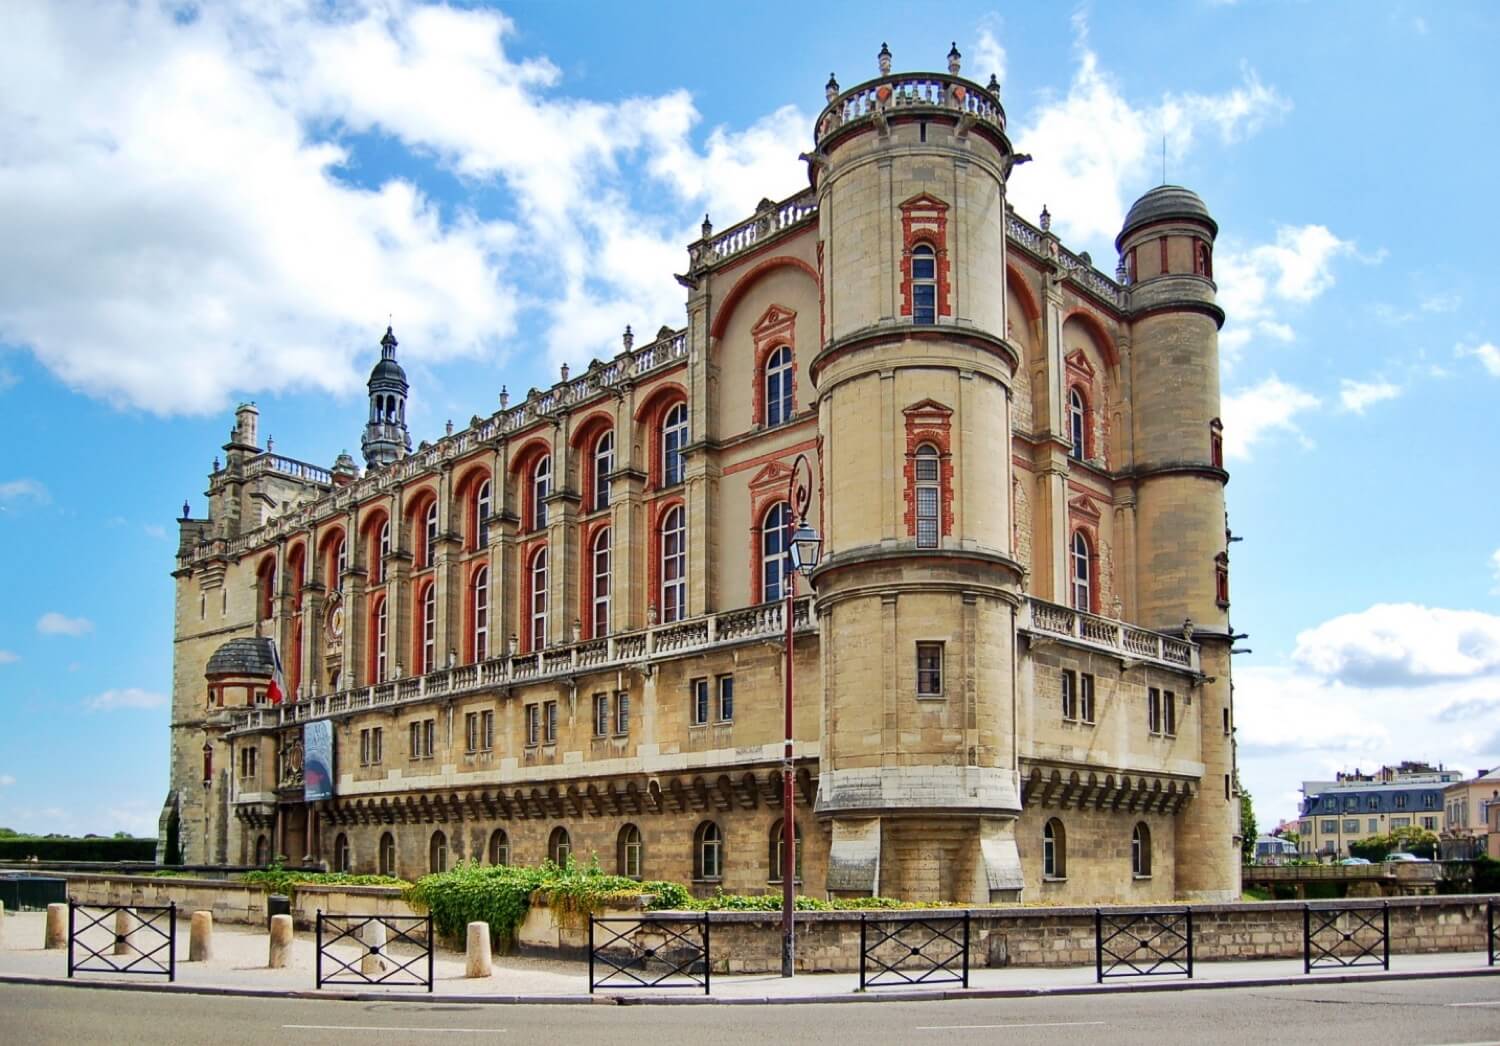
<point x="386" y="438"/>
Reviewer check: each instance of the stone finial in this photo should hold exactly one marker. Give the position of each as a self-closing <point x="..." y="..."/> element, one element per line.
<point x="994" y="85"/>
<point x="216" y="463"/>
<point x="707" y="228"/>
<point x="270" y="444"/>
<point x="1046" y="219"/>
<point x="512" y="645"/>
<point x="831" y="90"/>
<point x="651" y="615"/>
<point x="954" y="58"/>
<point x="563" y="370"/>
<point x="1120" y="270"/>
<point x="884" y="58"/>
<point x="448" y="428"/>
<point x="504" y="397"/>
<point x="1187" y="629"/>
<point x="577" y="630"/>
<point x="628" y="338"/>
<point x="187" y="510"/>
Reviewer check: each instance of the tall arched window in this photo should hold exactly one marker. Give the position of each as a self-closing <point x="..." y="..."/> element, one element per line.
<point x="773" y="534"/>
<point x="437" y="853"/>
<point x="1054" y="850"/>
<point x="382" y="550"/>
<point x="499" y="851"/>
<point x="708" y="852"/>
<point x="929" y="495"/>
<point x="538" y="599"/>
<point x="480" y="609"/>
<point x="600" y="573"/>
<point x="674" y="435"/>
<point x="341" y="855"/>
<point x="266" y="582"/>
<point x="673" y="564"/>
<point x="778" y="854"/>
<point x="340" y="563"/>
<point x="541" y="489"/>
<point x="387" y="863"/>
<point x="1082" y="573"/>
<point x="382" y="636"/>
<point x="430" y="535"/>
<point x="923" y="284"/>
<point x="427" y="658"/>
<point x="559" y="846"/>
<point x="604" y="464"/>
<point x="1140" y="850"/>
<point x="483" y="504"/>
<point x="628" y="852"/>
<point x="1077" y="424"/>
<point x="778" y="379"/>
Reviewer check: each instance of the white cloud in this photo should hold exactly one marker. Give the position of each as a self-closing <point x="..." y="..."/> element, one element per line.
<point x="1255" y="412"/>
<point x="9" y="657"/>
<point x="1355" y="396"/>
<point x="1487" y="354"/>
<point x="988" y="55"/>
<point x="1441" y="303"/>
<point x="131" y="697"/>
<point x="1402" y="644"/>
<point x="30" y="489"/>
<point x="54" y="624"/>
<point x="1254" y="282"/>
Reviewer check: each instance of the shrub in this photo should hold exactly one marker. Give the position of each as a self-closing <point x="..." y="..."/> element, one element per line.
<point x="24" y="848"/>
<point x="286" y="880"/>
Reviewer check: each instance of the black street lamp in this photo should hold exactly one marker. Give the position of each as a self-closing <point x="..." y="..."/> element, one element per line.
<point x="803" y="547"/>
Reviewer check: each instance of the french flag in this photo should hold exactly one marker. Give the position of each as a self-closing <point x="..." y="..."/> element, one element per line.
<point x="277" y="690"/>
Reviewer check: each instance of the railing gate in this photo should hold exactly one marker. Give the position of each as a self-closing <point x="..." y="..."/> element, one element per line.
<point x="650" y="951"/>
<point x="1151" y="942"/>
<point x="913" y="949"/>
<point x="143" y="939"/>
<point x="362" y="949"/>
<point x="1361" y="940"/>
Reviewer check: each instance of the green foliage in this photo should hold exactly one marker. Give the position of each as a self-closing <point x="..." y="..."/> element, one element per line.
<point x="1247" y="821"/>
<point x="58" y="848"/>
<point x="771" y="902"/>
<point x="1416" y="841"/>
<point x="286" y="880"/>
<point x="1486" y="878"/>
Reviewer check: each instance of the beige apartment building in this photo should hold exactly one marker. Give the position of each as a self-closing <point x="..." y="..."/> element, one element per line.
<point x="1358" y="806"/>
<point x="1466" y="810"/>
<point x="559" y="629"/>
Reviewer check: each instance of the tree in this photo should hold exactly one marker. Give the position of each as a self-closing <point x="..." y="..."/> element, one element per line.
<point x="1247" y="821"/>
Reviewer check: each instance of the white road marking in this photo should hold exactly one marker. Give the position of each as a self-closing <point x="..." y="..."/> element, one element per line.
<point x="1491" y="1042"/>
<point x="390" y="1027"/>
<point x="987" y="1027"/>
<point x="1495" y="1003"/>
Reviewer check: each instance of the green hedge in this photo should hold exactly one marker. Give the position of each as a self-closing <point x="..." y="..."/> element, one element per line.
<point x="286" y="880"/>
<point x="24" y="849"/>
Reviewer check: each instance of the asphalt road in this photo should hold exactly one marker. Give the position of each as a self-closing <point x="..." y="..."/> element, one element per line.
<point x="1429" y="1012"/>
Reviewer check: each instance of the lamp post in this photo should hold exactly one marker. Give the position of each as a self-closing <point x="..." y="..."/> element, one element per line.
<point x="208" y="783"/>
<point x="803" y="547"/>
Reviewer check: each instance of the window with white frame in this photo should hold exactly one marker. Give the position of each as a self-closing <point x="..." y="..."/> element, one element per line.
<point x="429" y="627"/>
<point x="778" y="390"/>
<point x="248" y="757"/>
<point x="423" y="738"/>
<point x="479" y="731"/>
<point x="923" y="284"/>
<point x="778" y="852"/>
<point x="604" y="464"/>
<point x="483" y="504"/>
<point x="1082" y="572"/>
<point x="533" y="724"/>
<point x="1077" y="423"/>
<point x="384" y="545"/>
<point x="601" y="715"/>
<point x="726" y="698"/>
<point x="340" y="563"/>
<point x="673" y="565"/>
<point x="599" y="602"/>
<point x="928" y="495"/>
<point x="1169" y="713"/>
<point x="1054" y="850"/>
<point x="382" y="633"/>
<point x="629" y="852"/>
<point x="1153" y="710"/>
<point x="549" y="722"/>
<point x="559" y="846"/>
<point x="541" y="489"/>
<point x="1140" y="850"/>
<point x="674" y="436"/>
<point x="708" y="852"/>
<point x="480" y="609"/>
<point x="430" y="536"/>
<point x="1069" y="694"/>
<point x="929" y="670"/>
<point x="499" y="847"/>
<point x="773" y="564"/>
<point x="622" y="711"/>
<point x="1086" y="697"/>
<point x="538" y="599"/>
<point x="698" y="692"/>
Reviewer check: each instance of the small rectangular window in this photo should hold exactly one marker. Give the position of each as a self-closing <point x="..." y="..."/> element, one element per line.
<point x="551" y="723"/>
<point x="487" y="730"/>
<point x="700" y="701"/>
<point x="622" y="712"/>
<point x="1374" y="825"/>
<point x="415" y="744"/>
<point x="601" y="714"/>
<point x="929" y="670"/>
<point x="1153" y="710"/>
<point x="471" y="731"/>
<point x="364" y="748"/>
<point x="1351" y="826"/>
<point x="1086" y="697"/>
<point x="429" y="736"/>
<point x="726" y="698"/>
<point x="1226" y="722"/>
<point x="533" y="724"/>
<point x="1169" y="714"/>
<point x="1069" y="694"/>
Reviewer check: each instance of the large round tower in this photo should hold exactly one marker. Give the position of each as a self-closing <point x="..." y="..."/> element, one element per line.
<point x="1183" y="582"/>
<point x="919" y="763"/>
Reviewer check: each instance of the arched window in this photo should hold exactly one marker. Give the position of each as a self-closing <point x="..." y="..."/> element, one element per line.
<point x="483" y="503"/>
<point x="541" y="489"/>
<point x="480" y="608"/>
<point x="929" y="495"/>
<point x="778" y="855"/>
<point x="430" y="535"/>
<point x="1082" y="573"/>
<point x="262" y="851"/>
<point x="778" y="379"/>
<point x="1077" y="424"/>
<point x="382" y="635"/>
<point x="628" y="848"/>
<point x="674" y="435"/>
<point x="604" y="464"/>
<point x="673" y="565"/>
<point x="341" y="856"/>
<point x="499" y="847"/>
<point x="923" y="284"/>
<point x="437" y="853"/>
<point x="428" y="652"/>
<point x="1140" y="850"/>
<point x="559" y="846"/>
<point x="1054" y="850"/>
<point x="387" y="863"/>
<point x="599" y="594"/>
<point x="773" y="534"/>
<point x="383" y="549"/>
<point x="538" y="596"/>
<point x="340" y="563"/>
<point x="267" y="585"/>
<point x="708" y="852"/>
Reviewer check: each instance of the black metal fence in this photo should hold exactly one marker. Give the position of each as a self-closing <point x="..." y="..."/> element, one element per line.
<point x="1344" y="935"/>
<point x="1492" y="942"/>
<point x="388" y="950"/>
<point x="904" y="950"/>
<point x="1149" y="942"/>
<point x="115" y="938"/>
<point x="650" y="951"/>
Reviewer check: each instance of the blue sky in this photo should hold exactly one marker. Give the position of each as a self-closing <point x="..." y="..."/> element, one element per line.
<point x="206" y="203"/>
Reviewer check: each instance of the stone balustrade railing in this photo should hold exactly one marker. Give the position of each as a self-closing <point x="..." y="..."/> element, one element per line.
<point x="269" y="462"/>
<point x="768" y="220"/>
<point x="890" y="94"/>
<point x="766" y="621"/>
<point x="1116" y="637"/>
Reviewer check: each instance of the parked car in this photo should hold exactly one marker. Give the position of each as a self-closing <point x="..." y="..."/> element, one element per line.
<point x="1354" y="860"/>
<point x="1400" y="855"/>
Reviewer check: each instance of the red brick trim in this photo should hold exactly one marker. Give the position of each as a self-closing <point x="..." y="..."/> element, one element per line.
<point x="743" y="284"/>
<point x="522" y="466"/>
<point x="652" y="413"/>
<point x="1081" y="523"/>
<point x="1102" y="338"/>
<point x="776" y="327"/>
<point x="924" y="220"/>
<point x="767" y="489"/>
<point x="929" y="422"/>
<point x="774" y="455"/>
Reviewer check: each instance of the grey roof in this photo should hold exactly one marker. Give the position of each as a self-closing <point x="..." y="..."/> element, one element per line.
<point x="242" y="657"/>
<point x="1164" y="202"/>
<point x="387" y="369"/>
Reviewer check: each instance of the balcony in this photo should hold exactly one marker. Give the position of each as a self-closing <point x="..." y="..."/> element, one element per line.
<point x="1051" y="621"/>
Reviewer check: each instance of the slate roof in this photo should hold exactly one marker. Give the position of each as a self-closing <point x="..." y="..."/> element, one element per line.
<point x="242" y="657"/>
<point x="1164" y="202"/>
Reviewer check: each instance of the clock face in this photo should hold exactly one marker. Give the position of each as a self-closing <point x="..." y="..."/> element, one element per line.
<point x="336" y="622"/>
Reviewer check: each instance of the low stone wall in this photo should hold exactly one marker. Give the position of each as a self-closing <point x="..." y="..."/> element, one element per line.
<point x="230" y="901"/>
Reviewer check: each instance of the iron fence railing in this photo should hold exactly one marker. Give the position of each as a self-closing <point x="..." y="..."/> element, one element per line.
<point x="1151" y="942"/>
<point x="386" y="950"/>
<point x="650" y="951"/>
<point x="142" y="939"/>
<point x="913" y="949"/>
<point x="1345" y="935"/>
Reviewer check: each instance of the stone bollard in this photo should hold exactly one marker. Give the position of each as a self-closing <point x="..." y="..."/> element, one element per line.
<point x="477" y="959"/>
<point x="373" y="935"/>
<point x="123" y="926"/>
<point x="201" y="937"/>
<point x="281" y="942"/>
<point x="57" y="926"/>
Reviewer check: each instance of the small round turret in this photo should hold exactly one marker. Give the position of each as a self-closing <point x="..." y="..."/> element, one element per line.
<point x="1166" y="203"/>
<point x="386" y="438"/>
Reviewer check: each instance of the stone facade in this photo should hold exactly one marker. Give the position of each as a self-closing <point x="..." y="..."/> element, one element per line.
<point x="566" y="619"/>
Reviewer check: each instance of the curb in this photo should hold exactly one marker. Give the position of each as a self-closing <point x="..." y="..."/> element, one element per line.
<point x="753" y="1000"/>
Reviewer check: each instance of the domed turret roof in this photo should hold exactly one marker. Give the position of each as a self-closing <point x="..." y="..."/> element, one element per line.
<point x="242" y="657"/>
<point x="1162" y="203"/>
<point x="387" y="369"/>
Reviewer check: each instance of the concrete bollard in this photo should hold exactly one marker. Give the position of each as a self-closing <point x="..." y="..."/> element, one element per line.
<point x="281" y="942"/>
<point x="201" y="937"/>
<point x="477" y="959"/>
<point x="57" y="926"/>
<point x="124" y="923"/>
<point x="373" y="935"/>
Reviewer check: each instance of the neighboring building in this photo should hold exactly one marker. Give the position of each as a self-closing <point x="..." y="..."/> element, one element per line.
<point x="1358" y="806"/>
<point x="560" y="628"/>
<point x="1466" y="809"/>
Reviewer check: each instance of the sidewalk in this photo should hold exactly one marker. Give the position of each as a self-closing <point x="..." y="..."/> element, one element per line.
<point x="239" y="966"/>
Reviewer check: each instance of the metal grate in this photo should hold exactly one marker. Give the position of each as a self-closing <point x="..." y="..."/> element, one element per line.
<point x="388" y="950"/>
<point x="1154" y="942"/>
<point x="649" y="951"/>
<point x="913" y="949"/>
<point x="139" y="939"/>
<point x="1346" y="935"/>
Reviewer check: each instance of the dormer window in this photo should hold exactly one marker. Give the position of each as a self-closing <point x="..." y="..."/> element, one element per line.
<point x="923" y="284"/>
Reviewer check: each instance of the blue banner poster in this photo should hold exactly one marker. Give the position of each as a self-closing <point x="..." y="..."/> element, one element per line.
<point x="317" y="760"/>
